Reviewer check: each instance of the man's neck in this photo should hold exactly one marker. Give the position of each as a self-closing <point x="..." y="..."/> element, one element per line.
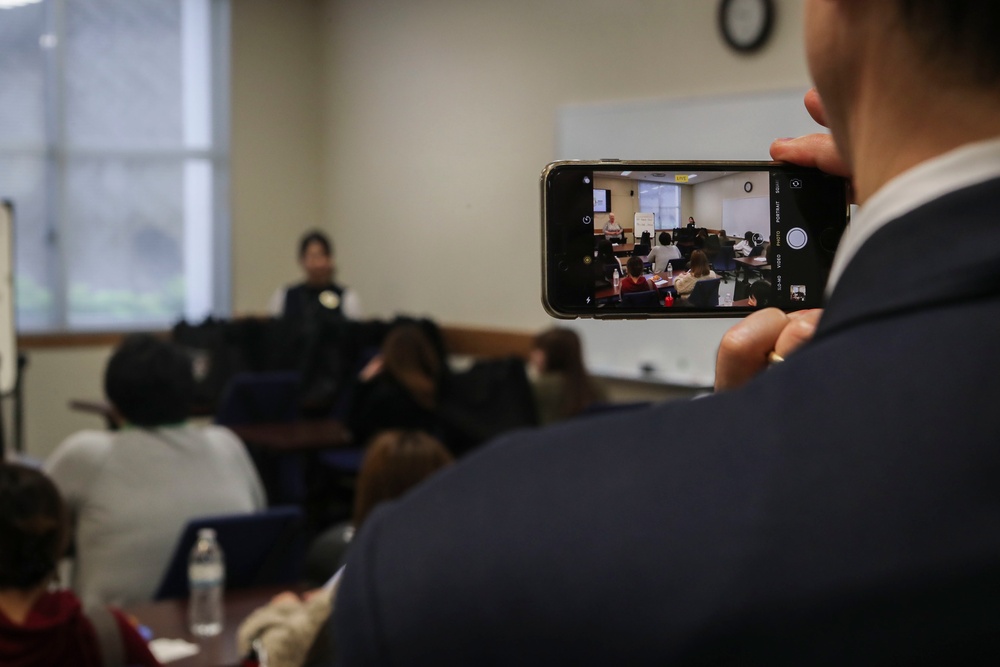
<point x="904" y="119"/>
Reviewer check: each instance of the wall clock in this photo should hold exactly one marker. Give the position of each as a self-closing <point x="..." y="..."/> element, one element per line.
<point x="748" y="186"/>
<point x="746" y="24"/>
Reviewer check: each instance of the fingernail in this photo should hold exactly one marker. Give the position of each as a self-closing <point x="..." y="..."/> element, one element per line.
<point x="781" y="140"/>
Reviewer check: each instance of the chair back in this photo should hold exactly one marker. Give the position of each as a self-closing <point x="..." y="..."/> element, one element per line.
<point x="645" y="299"/>
<point x="705" y="293"/>
<point x="757" y="250"/>
<point x="251" y="398"/>
<point x="725" y="260"/>
<point x="260" y="548"/>
<point x="678" y="264"/>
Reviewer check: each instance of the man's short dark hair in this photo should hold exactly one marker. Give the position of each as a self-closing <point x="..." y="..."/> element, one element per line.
<point x="760" y="290"/>
<point x="149" y="381"/>
<point x="665" y="238"/>
<point x="958" y="34"/>
<point x="315" y="236"/>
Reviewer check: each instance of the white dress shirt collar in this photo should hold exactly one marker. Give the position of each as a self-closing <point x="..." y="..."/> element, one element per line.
<point x="956" y="169"/>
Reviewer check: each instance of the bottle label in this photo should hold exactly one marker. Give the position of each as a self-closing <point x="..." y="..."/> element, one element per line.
<point x="203" y="575"/>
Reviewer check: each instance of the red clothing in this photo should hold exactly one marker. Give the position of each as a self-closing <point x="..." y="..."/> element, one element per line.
<point x="630" y="284"/>
<point x="57" y="633"/>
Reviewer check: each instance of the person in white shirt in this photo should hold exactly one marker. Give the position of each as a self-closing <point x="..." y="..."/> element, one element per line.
<point x="661" y="254"/>
<point x="613" y="231"/>
<point x="131" y="492"/>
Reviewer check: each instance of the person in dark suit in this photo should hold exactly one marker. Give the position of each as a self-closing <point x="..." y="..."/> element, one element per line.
<point x="855" y="523"/>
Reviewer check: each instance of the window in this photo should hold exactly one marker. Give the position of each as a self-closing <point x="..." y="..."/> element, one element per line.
<point x="114" y="152"/>
<point x="662" y="199"/>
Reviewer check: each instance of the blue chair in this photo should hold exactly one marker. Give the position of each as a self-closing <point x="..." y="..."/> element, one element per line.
<point x="725" y="262"/>
<point x="270" y="397"/>
<point x="649" y="298"/>
<point x="251" y="398"/>
<point x="260" y="548"/>
<point x="705" y="293"/>
<point x="678" y="265"/>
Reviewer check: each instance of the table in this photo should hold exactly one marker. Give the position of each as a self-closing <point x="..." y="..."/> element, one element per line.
<point x="297" y="436"/>
<point x="758" y="263"/>
<point x="168" y="618"/>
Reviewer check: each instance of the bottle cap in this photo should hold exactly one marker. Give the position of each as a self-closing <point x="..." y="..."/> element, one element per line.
<point x="206" y="533"/>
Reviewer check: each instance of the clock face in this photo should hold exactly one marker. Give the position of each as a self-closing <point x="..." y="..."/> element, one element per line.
<point x="746" y="24"/>
<point x="748" y="186"/>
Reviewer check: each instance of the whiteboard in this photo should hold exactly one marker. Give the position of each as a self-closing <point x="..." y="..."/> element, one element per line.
<point x="8" y="336"/>
<point x="746" y="214"/>
<point x="720" y="127"/>
<point x="644" y="222"/>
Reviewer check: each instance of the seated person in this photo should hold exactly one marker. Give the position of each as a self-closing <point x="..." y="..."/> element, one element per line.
<point x="760" y="294"/>
<point x="318" y="293"/>
<point x="700" y="270"/>
<point x="661" y="254"/>
<point x="41" y="626"/>
<point x="634" y="281"/>
<point x="131" y="492"/>
<point x="744" y="247"/>
<point x="395" y="462"/>
<point x="605" y="263"/>
<point x="562" y="386"/>
<point x="613" y="231"/>
<point x="399" y="388"/>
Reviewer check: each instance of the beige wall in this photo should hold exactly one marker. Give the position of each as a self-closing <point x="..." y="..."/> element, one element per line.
<point x="278" y="158"/>
<point x="415" y="131"/>
<point x="623" y="204"/>
<point x="455" y="101"/>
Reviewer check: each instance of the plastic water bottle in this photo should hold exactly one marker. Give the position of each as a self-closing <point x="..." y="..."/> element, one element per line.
<point x="670" y="271"/>
<point x="206" y="578"/>
<point x="617" y="280"/>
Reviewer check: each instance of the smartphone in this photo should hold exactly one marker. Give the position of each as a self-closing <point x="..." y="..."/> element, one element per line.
<point x="712" y="239"/>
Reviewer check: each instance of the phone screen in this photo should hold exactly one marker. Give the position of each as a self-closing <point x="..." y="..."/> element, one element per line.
<point x="694" y="239"/>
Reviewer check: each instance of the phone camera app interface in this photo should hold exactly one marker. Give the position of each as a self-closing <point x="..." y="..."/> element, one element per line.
<point x="700" y="239"/>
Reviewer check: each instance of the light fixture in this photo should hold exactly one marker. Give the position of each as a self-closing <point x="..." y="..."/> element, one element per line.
<point x="11" y="4"/>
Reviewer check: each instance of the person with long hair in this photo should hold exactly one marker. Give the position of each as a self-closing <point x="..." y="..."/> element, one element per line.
<point x="400" y="387"/>
<point x="395" y="462"/>
<point x="700" y="270"/>
<point x="563" y="387"/>
<point x="40" y="627"/>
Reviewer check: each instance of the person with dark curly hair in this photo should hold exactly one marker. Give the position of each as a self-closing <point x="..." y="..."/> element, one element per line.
<point x="41" y="627"/>
<point x="130" y="492"/>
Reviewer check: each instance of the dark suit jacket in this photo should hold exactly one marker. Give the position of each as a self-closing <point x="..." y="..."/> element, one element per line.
<point x="856" y="521"/>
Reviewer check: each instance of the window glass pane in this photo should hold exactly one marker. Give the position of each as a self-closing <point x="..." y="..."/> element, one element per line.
<point x="123" y="74"/>
<point x="663" y="199"/>
<point x="124" y="241"/>
<point x="23" y="182"/>
<point x="108" y="151"/>
<point x="22" y="77"/>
